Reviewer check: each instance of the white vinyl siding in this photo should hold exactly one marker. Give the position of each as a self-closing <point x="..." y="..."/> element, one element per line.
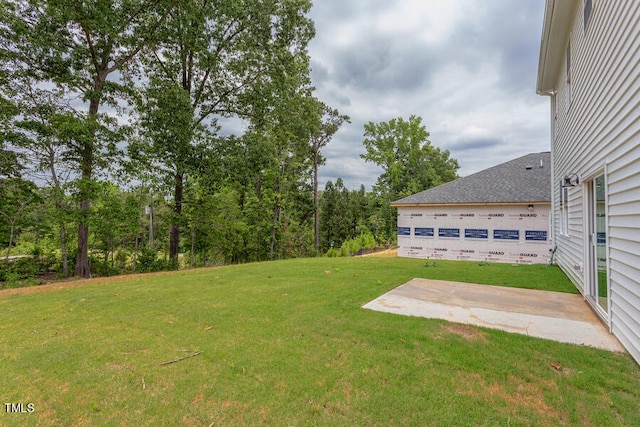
<point x="624" y="242"/>
<point x="601" y="131"/>
<point x="568" y="71"/>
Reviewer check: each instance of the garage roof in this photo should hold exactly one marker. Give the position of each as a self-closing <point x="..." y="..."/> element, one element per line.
<point x="526" y="179"/>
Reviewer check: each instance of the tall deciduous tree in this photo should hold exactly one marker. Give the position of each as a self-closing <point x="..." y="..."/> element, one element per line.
<point x="168" y="121"/>
<point x="45" y="116"/>
<point x="288" y="127"/>
<point x="80" y="47"/>
<point x="229" y="59"/>
<point x="331" y="122"/>
<point x="409" y="163"/>
<point x="408" y="160"/>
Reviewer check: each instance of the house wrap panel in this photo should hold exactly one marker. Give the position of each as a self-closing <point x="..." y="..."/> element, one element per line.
<point x="500" y="233"/>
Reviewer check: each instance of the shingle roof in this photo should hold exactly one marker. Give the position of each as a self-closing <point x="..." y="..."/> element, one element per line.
<point x="526" y="179"/>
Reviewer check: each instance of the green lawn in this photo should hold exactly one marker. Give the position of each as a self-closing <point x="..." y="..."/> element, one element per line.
<point x="287" y="343"/>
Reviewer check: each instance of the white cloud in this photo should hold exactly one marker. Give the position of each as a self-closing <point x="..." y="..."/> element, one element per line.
<point x="432" y="24"/>
<point x="467" y="68"/>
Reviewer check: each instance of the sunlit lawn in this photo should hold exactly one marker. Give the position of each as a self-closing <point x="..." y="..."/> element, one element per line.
<point x="287" y="343"/>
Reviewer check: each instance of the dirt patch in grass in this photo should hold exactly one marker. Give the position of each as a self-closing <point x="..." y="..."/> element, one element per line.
<point x="387" y="253"/>
<point x="465" y="331"/>
<point x="227" y="412"/>
<point x="516" y="394"/>
<point x="64" y="284"/>
<point x="74" y="282"/>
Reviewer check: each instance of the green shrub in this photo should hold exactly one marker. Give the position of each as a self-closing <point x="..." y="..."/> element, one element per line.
<point x="122" y="258"/>
<point x="23" y="268"/>
<point x="363" y="241"/>
<point x="101" y="268"/>
<point x="332" y="253"/>
<point x="23" y="271"/>
<point x="148" y="261"/>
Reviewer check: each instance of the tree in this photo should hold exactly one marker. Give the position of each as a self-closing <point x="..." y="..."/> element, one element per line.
<point x="80" y="46"/>
<point x="10" y="160"/>
<point x="342" y="214"/>
<point x="331" y="122"/>
<point x="115" y="222"/>
<point x="45" y="119"/>
<point x="16" y="194"/>
<point x="409" y="163"/>
<point x="230" y="59"/>
<point x="288" y="130"/>
<point x="168" y="123"/>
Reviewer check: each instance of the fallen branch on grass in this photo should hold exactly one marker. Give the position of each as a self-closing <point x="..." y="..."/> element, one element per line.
<point x="181" y="358"/>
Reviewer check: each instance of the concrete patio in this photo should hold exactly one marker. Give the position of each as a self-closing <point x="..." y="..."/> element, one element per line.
<point x="552" y="315"/>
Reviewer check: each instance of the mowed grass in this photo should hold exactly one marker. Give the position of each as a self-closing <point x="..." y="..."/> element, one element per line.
<point x="287" y="343"/>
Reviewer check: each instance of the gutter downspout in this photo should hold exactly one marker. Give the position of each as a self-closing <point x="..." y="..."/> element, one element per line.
<point x="552" y="216"/>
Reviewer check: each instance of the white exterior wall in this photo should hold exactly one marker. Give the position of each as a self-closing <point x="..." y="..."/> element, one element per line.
<point x="599" y="132"/>
<point x="501" y="233"/>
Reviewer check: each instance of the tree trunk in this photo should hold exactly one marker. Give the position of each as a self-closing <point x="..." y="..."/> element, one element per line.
<point x="259" y="234"/>
<point x="135" y="253"/>
<point x="276" y="220"/>
<point x="59" y="204"/>
<point x="174" y="235"/>
<point x="13" y="221"/>
<point x="82" y="260"/>
<point x="86" y="166"/>
<point x="193" y="247"/>
<point x="63" y="250"/>
<point x="316" y="206"/>
<point x="273" y="233"/>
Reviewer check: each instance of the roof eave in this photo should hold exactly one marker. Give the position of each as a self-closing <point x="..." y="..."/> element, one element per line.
<point x="555" y="30"/>
<point x="418" y="205"/>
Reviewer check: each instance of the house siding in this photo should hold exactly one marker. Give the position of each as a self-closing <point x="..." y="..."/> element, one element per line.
<point x="599" y="132"/>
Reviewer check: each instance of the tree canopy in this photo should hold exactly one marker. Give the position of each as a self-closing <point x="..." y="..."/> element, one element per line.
<point x="181" y="133"/>
<point x="78" y="47"/>
<point x="409" y="162"/>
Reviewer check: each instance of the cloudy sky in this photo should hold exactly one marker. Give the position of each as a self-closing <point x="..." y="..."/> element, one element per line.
<point x="467" y="67"/>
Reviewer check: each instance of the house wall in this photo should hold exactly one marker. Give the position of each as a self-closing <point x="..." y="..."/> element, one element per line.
<point x="597" y="130"/>
<point x="499" y="233"/>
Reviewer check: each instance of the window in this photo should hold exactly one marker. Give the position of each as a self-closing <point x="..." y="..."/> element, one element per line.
<point x="586" y="6"/>
<point x="564" y="210"/>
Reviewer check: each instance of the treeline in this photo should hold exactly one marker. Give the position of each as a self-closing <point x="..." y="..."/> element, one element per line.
<point x="247" y="213"/>
<point x="120" y="150"/>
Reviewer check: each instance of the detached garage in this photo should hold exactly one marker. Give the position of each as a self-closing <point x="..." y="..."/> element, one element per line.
<point x="500" y="214"/>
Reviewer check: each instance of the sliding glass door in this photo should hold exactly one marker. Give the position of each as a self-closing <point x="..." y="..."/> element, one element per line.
<point x="599" y="286"/>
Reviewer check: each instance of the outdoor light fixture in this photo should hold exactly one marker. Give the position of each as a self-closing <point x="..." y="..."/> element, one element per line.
<point x="570" y="180"/>
<point x="530" y="207"/>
